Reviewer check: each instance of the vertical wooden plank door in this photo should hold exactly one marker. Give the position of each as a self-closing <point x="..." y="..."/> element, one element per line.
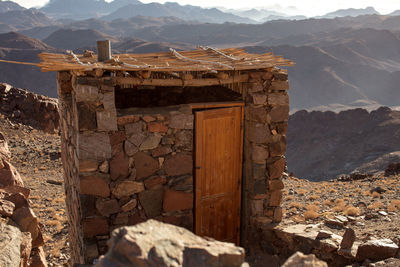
<point x="218" y="173"/>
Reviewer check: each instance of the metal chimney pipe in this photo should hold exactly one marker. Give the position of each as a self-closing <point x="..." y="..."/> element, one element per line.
<point x="104" y="50"/>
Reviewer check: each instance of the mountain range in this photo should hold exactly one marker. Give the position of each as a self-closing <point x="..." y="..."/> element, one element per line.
<point x="341" y="63"/>
<point x="341" y="143"/>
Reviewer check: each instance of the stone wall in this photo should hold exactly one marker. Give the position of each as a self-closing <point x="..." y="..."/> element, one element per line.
<point x="266" y="116"/>
<point x="124" y="166"/>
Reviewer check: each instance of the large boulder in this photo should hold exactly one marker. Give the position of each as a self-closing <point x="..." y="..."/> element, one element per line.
<point x="300" y="260"/>
<point x="153" y="243"/>
<point x="10" y="245"/>
<point x="377" y="250"/>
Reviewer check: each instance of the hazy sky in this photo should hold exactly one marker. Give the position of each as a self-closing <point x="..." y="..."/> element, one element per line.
<point x="305" y="7"/>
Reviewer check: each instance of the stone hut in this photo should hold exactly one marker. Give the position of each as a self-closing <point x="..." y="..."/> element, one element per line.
<point x="195" y="139"/>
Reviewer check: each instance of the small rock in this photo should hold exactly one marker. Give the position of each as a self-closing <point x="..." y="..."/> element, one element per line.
<point x="324" y="234"/>
<point x="104" y="167"/>
<point x="6" y="208"/>
<point x="348" y="239"/>
<point x="54" y="182"/>
<point x="127" y="188"/>
<point x="383" y="213"/>
<point x="378" y="189"/>
<point x="334" y="223"/>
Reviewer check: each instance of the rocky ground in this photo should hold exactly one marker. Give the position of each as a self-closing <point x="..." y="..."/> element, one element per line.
<point x="36" y="156"/>
<point x="370" y="205"/>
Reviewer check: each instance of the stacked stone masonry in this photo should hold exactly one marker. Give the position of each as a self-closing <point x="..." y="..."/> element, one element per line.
<point x="123" y="167"/>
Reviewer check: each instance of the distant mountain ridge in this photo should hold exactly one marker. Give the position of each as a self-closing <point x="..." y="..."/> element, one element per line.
<point x="186" y="12"/>
<point x="83" y="9"/>
<point x="351" y="12"/>
<point x="6" y="6"/>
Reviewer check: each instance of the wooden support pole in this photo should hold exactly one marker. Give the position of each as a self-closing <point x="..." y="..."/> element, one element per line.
<point x="104" y="50"/>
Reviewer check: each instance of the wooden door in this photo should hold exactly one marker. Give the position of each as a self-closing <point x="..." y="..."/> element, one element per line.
<point x="218" y="173"/>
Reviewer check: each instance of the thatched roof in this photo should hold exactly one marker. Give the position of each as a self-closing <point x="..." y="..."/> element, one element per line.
<point x="203" y="59"/>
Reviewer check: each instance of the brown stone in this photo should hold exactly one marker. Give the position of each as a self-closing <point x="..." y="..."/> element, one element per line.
<point x="377" y="250"/>
<point x="6" y="208"/>
<point x="259" y="154"/>
<point x="137" y="139"/>
<point x="168" y="246"/>
<point x="94" y="146"/>
<point x="259" y="99"/>
<point x="348" y="239"/>
<point x="86" y="117"/>
<point x="88" y="165"/>
<point x="161" y="151"/>
<point x="151" y="201"/>
<point x="38" y="258"/>
<point x="276" y="185"/>
<point x="275" y="199"/>
<point x="157" y="127"/>
<point x="148" y="118"/>
<point x="95" y="185"/>
<point x="258" y="114"/>
<point x="9" y="176"/>
<point x="107" y="207"/>
<point x="177" y="200"/>
<point x="278" y="99"/>
<point x="151" y="142"/>
<point x="278" y="148"/>
<point x="179" y="164"/>
<point x="260" y="187"/>
<point x="28" y="222"/>
<point x="122" y="121"/>
<point x="15" y="189"/>
<point x="117" y="138"/>
<point x="119" y="166"/>
<point x="130" y="149"/>
<point x="255" y="87"/>
<point x="181" y="121"/>
<point x="279" y="85"/>
<point x="259" y="170"/>
<point x="280" y="113"/>
<point x="155" y="181"/>
<point x="145" y="165"/>
<point x="281" y="76"/>
<point x="92" y="227"/>
<point x="278" y="214"/>
<point x="127" y="188"/>
<point x="276" y="168"/>
<point x="258" y="133"/>
<point x="134" y="128"/>
<point x="257" y="207"/>
<point x="18" y="199"/>
<point x="121" y="219"/>
<point x="129" y="206"/>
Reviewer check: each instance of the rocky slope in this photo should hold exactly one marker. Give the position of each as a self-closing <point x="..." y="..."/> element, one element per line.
<point x="21" y="238"/>
<point x="323" y="145"/>
<point x="17" y="47"/>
